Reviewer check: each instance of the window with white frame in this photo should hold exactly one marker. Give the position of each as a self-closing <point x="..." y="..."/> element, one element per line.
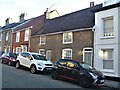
<point x="42" y="39"/>
<point x="1" y="37"/>
<point x="108" y="59"/>
<point x="7" y="34"/>
<point x="26" y="38"/>
<point x="108" y="27"/>
<point x="17" y="36"/>
<point x="42" y="52"/>
<point x="67" y="53"/>
<point x="67" y="37"/>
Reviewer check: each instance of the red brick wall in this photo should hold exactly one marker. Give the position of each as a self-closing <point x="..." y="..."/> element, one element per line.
<point x="21" y="41"/>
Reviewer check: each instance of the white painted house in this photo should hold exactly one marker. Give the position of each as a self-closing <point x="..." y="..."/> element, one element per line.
<point x="107" y="39"/>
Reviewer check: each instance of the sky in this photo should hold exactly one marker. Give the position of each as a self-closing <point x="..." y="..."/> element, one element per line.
<point x="34" y="8"/>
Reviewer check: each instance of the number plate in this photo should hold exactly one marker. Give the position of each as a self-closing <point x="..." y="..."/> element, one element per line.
<point x="48" y="68"/>
<point x="102" y="81"/>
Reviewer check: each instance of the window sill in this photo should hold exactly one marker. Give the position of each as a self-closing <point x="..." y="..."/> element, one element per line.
<point x="42" y="43"/>
<point x="67" y="42"/>
<point x="107" y="37"/>
<point x="107" y="71"/>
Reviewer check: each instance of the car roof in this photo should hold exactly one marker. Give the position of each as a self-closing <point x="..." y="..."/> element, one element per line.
<point x="31" y="53"/>
<point x="78" y="61"/>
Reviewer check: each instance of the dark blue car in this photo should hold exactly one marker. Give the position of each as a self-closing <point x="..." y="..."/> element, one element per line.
<point x="83" y="73"/>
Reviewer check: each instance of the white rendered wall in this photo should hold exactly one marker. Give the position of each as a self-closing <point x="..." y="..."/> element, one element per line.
<point x="101" y="42"/>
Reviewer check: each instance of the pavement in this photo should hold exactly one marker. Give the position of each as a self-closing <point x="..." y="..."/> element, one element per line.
<point x="112" y="84"/>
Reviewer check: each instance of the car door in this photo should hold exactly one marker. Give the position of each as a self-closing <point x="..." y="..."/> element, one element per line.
<point x="22" y="58"/>
<point x="61" y="67"/>
<point x="28" y="60"/>
<point x="72" y="70"/>
<point x="25" y="59"/>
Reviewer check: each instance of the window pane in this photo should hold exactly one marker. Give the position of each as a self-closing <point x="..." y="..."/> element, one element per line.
<point x="107" y="64"/>
<point x="67" y="53"/>
<point x="26" y="35"/>
<point x="42" y="39"/>
<point x="108" y="54"/>
<point x="108" y="27"/>
<point x="67" y="37"/>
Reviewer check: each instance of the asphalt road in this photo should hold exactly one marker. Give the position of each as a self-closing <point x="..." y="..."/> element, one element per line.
<point x="22" y="78"/>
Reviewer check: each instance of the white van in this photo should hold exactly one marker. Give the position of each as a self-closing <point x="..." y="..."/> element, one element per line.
<point x="34" y="61"/>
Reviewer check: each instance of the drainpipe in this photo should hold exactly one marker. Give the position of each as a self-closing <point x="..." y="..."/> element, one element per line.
<point x="12" y="40"/>
<point x="93" y="29"/>
<point x="29" y="37"/>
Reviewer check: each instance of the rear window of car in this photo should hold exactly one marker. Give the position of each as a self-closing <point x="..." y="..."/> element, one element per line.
<point x="12" y="55"/>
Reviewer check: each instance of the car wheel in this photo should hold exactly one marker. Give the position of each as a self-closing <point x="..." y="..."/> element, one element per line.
<point x="17" y="64"/>
<point x="9" y="63"/>
<point x="33" y="69"/>
<point x="84" y="82"/>
<point x="54" y="75"/>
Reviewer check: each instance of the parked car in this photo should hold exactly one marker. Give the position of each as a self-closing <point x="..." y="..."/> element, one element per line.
<point x="34" y="61"/>
<point x="83" y="73"/>
<point x="1" y="54"/>
<point x="8" y="58"/>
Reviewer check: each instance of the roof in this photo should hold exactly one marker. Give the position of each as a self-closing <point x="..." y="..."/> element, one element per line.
<point x="12" y="25"/>
<point x="107" y="7"/>
<point x="76" y="20"/>
<point x="32" y="22"/>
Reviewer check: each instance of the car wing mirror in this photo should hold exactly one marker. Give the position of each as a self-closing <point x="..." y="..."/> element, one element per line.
<point x="29" y="57"/>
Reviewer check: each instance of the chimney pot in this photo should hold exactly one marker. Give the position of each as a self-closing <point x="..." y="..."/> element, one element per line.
<point x="22" y="17"/>
<point x="91" y="4"/>
<point x="8" y="21"/>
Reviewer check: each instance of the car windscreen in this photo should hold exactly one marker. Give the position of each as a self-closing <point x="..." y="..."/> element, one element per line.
<point x="86" y="66"/>
<point x="39" y="57"/>
<point x="12" y="55"/>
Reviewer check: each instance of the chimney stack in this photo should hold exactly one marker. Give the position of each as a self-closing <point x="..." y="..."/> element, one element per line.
<point x="22" y="17"/>
<point x="8" y="21"/>
<point x="91" y="4"/>
<point x="46" y="13"/>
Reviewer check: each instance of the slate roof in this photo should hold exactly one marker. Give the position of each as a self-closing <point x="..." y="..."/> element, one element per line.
<point x="12" y="25"/>
<point x="31" y="22"/>
<point x="76" y="20"/>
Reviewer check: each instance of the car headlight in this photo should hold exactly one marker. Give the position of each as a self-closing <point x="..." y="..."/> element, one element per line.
<point x="40" y="64"/>
<point x="93" y="75"/>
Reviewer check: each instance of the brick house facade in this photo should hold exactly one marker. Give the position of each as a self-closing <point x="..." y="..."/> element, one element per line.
<point x="69" y="36"/>
<point x="26" y="29"/>
<point x="6" y="36"/>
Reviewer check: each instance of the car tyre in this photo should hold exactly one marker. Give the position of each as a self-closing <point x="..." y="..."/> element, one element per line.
<point x="33" y="69"/>
<point x="9" y="63"/>
<point x="84" y="82"/>
<point x="17" y="65"/>
<point x="54" y="75"/>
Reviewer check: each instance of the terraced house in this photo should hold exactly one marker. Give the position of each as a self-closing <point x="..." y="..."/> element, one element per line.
<point x="6" y="35"/>
<point x="22" y="33"/>
<point x="68" y="36"/>
<point x="107" y="38"/>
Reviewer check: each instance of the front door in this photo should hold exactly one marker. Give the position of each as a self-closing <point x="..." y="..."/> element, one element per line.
<point x="87" y="55"/>
<point x="49" y="55"/>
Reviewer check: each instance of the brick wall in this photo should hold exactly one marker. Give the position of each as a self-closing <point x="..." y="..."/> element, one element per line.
<point x="18" y="44"/>
<point x="81" y="39"/>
